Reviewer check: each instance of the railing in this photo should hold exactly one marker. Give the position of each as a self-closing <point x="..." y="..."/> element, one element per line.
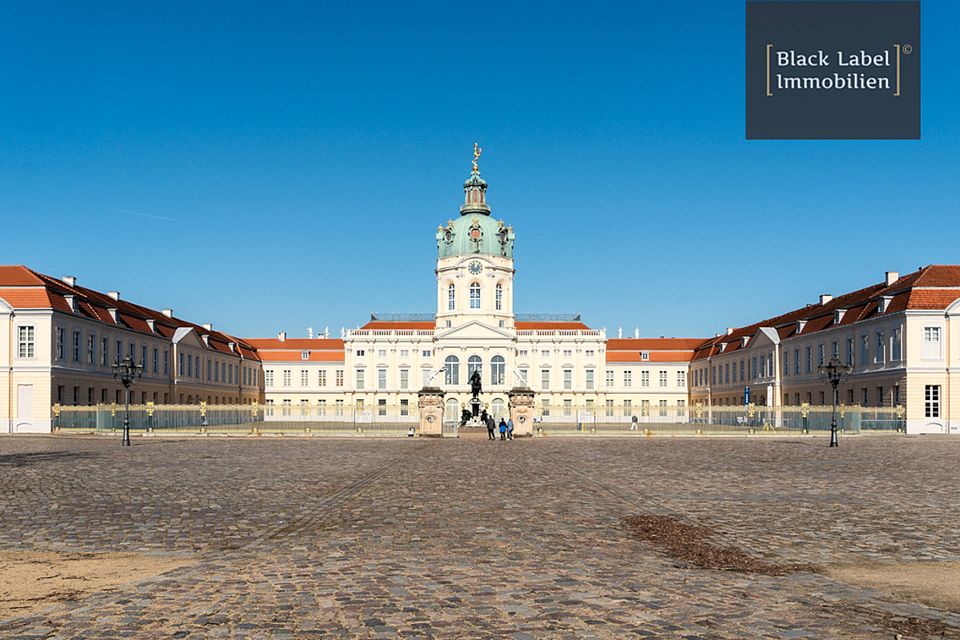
<point x="390" y="332"/>
<point x="558" y="332"/>
<point x="718" y="420"/>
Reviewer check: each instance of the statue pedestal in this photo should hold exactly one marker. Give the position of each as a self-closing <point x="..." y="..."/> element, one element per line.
<point x="521" y="410"/>
<point x="431" y="412"/>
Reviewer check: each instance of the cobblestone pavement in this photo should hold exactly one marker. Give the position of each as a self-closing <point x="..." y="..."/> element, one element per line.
<point x="306" y="538"/>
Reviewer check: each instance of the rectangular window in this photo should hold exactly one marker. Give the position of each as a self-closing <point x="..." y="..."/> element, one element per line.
<point x="726" y="373"/>
<point x="628" y="407"/>
<point x="663" y="378"/>
<point x="304" y="408"/>
<point x="156" y="360"/>
<point x="287" y="405"/>
<point x="931" y="343"/>
<point x="359" y="379"/>
<point x="663" y="408"/>
<point x="286" y="377"/>
<point x="451" y="298"/>
<point x="381" y="407"/>
<point x="26" y="345"/>
<point x="608" y="408"/>
<point x="628" y="378"/>
<point x="381" y="353"/>
<point x="381" y="378"/>
<point x="931" y="401"/>
<point x="76" y="346"/>
<point x="304" y="378"/>
<point x="524" y="376"/>
<point x="609" y="378"/>
<point x="426" y="353"/>
<point x="567" y="353"/>
<point x="589" y="379"/>
<point x="216" y="371"/>
<point x="104" y="351"/>
<point x="568" y="379"/>
<point x="404" y="407"/>
<point x="544" y="380"/>
<point x="880" y="353"/>
<point x="338" y="407"/>
<point x="404" y="353"/>
<point x="59" y="343"/>
<point x="681" y="408"/>
<point x="644" y="378"/>
<point x="786" y="362"/>
<point x="91" y="348"/>
<point x="681" y="379"/>
<point x="474" y="296"/>
<point x="835" y="349"/>
<point x="322" y="378"/>
<point x="304" y="355"/>
<point x="796" y="362"/>
<point x="568" y="407"/>
<point x="850" y="351"/>
<point x="338" y="378"/>
<point x="143" y="358"/>
<point x="809" y="367"/>
<point x="864" y="349"/>
<point x="180" y="364"/>
<point x="896" y="347"/>
<point x="545" y="407"/>
<point x="166" y="362"/>
<point x="404" y="378"/>
<point x="189" y="365"/>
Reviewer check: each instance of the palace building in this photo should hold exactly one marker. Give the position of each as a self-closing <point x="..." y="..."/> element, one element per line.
<point x="376" y="371"/>
<point x="899" y="336"/>
<point x="59" y="340"/>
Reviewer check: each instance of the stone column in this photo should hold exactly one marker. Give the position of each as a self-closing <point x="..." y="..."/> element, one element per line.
<point x="521" y="410"/>
<point x="431" y="411"/>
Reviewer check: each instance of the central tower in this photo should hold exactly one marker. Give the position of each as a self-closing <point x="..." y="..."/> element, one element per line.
<point x="475" y="263"/>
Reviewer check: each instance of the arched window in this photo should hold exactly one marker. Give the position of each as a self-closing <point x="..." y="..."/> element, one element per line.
<point x="475" y="296"/>
<point x="496" y="408"/>
<point x="451" y="370"/>
<point x="497" y="367"/>
<point x="499" y="299"/>
<point x="452" y="411"/>
<point x="451" y="297"/>
<point x="474" y="363"/>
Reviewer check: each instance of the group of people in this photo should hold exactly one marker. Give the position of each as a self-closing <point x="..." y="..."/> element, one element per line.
<point x="505" y="427"/>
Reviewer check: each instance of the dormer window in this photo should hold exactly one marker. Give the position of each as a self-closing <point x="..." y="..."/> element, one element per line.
<point x="743" y="341"/>
<point x="152" y="324"/>
<point x="71" y="302"/>
<point x="723" y="347"/>
<point x="304" y="355"/>
<point x="885" y="303"/>
<point x="800" y="325"/>
<point x="838" y="315"/>
<point x="644" y="355"/>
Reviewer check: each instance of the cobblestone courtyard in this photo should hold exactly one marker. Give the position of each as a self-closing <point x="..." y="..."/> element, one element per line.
<point x="313" y="538"/>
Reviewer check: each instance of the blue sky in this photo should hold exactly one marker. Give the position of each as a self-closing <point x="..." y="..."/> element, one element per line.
<point x="268" y="166"/>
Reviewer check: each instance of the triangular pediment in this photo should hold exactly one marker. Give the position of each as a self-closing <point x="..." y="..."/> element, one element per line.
<point x="474" y="330"/>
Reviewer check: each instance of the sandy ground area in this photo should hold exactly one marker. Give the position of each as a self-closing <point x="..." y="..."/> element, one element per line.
<point x="933" y="583"/>
<point x="33" y="580"/>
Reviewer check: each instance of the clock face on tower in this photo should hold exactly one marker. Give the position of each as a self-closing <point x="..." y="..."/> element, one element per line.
<point x="475" y="268"/>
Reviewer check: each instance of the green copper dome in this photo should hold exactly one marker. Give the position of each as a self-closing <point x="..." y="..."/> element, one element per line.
<point x="475" y="232"/>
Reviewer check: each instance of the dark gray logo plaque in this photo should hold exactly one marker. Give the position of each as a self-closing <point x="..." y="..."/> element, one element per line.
<point x="833" y="70"/>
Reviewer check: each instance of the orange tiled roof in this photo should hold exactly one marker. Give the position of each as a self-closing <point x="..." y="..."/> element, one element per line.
<point x="650" y="344"/>
<point x="297" y="356"/>
<point x="24" y="288"/>
<point x="652" y="356"/>
<point x="296" y="343"/>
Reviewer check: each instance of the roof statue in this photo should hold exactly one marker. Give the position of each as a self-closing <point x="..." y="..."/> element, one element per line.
<point x="476" y="155"/>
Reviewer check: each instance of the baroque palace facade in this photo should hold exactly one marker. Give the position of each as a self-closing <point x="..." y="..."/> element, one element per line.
<point x="901" y="336"/>
<point x="377" y="370"/>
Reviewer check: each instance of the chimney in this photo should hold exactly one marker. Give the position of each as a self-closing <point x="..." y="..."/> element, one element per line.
<point x="72" y="301"/>
<point x="167" y="312"/>
<point x="636" y="332"/>
<point x="70" y="280"/>
<point x="825" y="298"/>
<point x="310" y="332"/>
<point x="282" y="336"/>
<point x="619" y="332"/>
<point x="729" y="330"/>
<point x="114" y="294"/>
<point x="891" y="276"/>
<point x="208" y="326"/>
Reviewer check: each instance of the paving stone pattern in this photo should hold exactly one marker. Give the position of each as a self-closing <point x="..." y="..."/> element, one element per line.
<point x="363" y="538"/>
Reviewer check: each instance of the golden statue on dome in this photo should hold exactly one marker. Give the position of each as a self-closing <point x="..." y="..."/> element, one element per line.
<point x="476" y="155"/>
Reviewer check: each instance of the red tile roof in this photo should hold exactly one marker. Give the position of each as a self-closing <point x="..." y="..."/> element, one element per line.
<point x="652" y="356"/>
<point x="650" y="344"/>
<point x="399" y="324"/>
<point x="297" y="356"/>
<point x="296" y="343"/>
<point x="24" y="288"/>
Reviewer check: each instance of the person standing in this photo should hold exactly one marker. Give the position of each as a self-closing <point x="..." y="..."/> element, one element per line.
<point x="491" y="425"/>
<point x="503" y="429"/>
<point x="509" y="428"/>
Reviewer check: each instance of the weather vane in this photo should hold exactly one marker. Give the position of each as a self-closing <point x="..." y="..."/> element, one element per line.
<point x="476" y="155"/>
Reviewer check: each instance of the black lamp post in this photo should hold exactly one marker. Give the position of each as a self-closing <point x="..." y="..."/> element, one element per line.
<point x="833" y="371"/>
<point x="128" y="372"/>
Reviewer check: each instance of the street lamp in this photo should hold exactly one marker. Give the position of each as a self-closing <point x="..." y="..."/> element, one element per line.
<point x="128" y="372"/>
<point x="834" y="371"/>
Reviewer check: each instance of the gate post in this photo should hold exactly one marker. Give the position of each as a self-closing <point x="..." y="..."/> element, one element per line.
<point x="521" y="410"/>
<point x="430" y="405"/>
